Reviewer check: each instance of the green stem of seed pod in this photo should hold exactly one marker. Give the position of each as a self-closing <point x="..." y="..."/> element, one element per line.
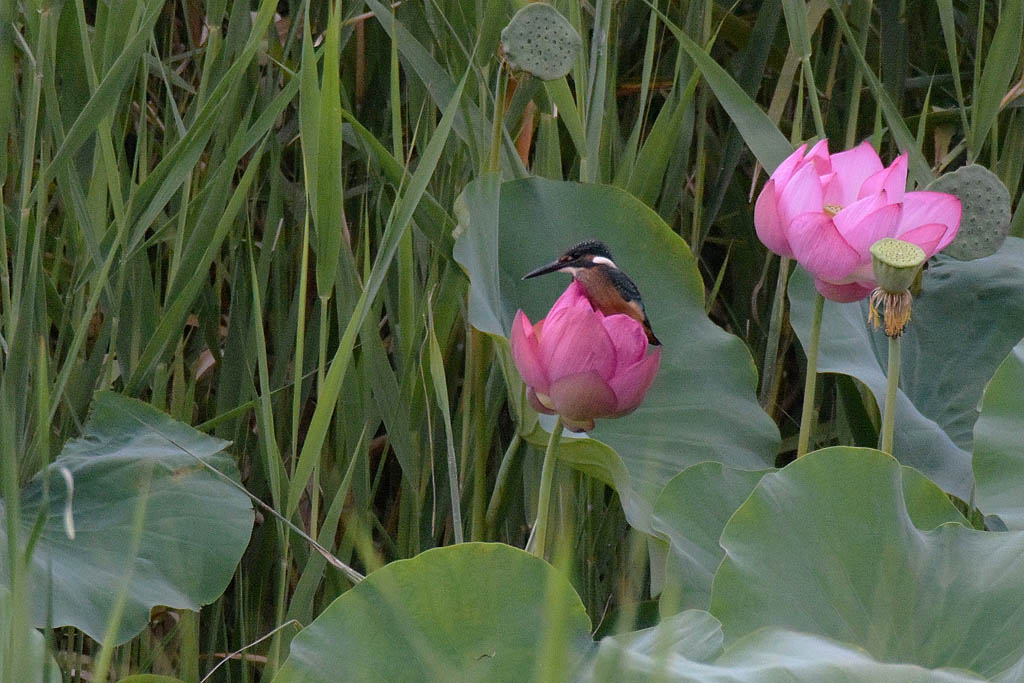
<point x="807" y="415"/>
<point x="547" y="476"/>
<point x="889" y="416"/>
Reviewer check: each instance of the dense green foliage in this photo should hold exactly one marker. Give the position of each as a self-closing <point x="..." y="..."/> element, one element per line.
<point x="300" y="227"/>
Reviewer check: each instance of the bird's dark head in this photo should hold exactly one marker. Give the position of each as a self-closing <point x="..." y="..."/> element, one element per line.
<point x="586" y="254"/>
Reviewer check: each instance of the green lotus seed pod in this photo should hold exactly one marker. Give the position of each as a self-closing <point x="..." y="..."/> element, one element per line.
<point x="985" y="222"/>
<point x="896" y="263"/>
<point x="540" y="41"/>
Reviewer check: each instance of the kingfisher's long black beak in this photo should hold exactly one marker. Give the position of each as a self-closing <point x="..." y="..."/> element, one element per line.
<point x="544" y="270"/>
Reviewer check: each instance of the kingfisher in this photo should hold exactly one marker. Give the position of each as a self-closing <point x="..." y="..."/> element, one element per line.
<point x="609" y="289"/>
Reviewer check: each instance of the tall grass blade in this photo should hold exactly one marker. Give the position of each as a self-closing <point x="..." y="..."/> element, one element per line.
<point x="919" y="170"/>
<point x="440" y="382"/>
<point x="398" y="223"/>
<point x="769" y="145"/>
<point x="470" y="125"/>
<point x="1000" y="65"/>
<point x="327" y="204"/>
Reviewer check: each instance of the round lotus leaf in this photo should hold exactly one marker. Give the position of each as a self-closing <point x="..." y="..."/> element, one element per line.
<point x="986" y="211"/>
<point x="540" y="41"/>
<point x="467" y="612"/>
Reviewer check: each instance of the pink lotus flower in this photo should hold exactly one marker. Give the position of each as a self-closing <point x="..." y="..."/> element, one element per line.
<point x="827" y="210"/>
<point x="581" y="364"/>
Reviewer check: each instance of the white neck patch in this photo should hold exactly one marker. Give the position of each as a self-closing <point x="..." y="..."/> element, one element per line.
<point x="604" y="261"/>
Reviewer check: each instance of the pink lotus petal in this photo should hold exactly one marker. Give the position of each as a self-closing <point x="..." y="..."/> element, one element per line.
<point x="947" y="239"/>
<point x="928" y="237"/>
<point x="526" y="353"/>
<point x="826" y="180"/>
<point x="842" y="293"/>
<point x="819" y="157"/>
<point x="565" y="306"/>
<point x="628" y="338"/>
<point x="852" y="168"/>
<point x="582" y="396"/>
<point x="767" y="222"/>
<point x="801" y="195"/>
<point x="893" y="180"/>
<point x="820" y="248"/>
<point x="921" y="208"/>
<point x="866" y="221"/>
<point x="575" y="341"/>
<point x="784" y="171"/>
<point x="574" y="296"/>
<point x="632" y="383"/>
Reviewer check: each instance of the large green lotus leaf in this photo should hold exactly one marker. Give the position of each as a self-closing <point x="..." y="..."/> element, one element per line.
<point x="152" y="525"/>
<point x="998" y="444"/>
<point x="702" y="404"/>
<point x="780" y="656"/>
<point x="469" y="612"/>
<point x="695" y="506"/>
<point x="967" y="318"/>
<point x="691" y="636"/>
<point x="490" y="612"/>
<point x="826" y="546"/>
<point x="691" y="512"/>
<point x="687" y="647"/>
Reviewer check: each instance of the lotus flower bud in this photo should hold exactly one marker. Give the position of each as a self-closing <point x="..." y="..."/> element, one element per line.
<point x="581" y="364"/>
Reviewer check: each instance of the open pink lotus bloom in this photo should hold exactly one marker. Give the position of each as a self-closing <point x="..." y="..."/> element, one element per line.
<point x="826" y="210"/>
<point x="581" y="364"/>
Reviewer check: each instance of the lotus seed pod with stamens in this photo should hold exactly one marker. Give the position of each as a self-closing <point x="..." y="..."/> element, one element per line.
<point x="541" y="42"/>
<point x="896" y="263"/>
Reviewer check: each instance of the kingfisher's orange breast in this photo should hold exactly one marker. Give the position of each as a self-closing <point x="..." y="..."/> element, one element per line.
<point x="606" y="298"/>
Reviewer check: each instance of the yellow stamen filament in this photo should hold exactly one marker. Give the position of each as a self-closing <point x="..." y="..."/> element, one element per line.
<point x="895" y="309"/>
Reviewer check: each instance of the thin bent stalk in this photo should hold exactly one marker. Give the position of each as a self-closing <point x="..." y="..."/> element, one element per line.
<point x="771" y="352"/>
<point x="500" y="483"/>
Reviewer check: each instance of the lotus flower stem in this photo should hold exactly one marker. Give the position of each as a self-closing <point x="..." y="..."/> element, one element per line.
<point x="807" y="415"/>
<point x="547" y="477"/>
<point x="771" y="352"/>
<point x="889" y="416"/>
